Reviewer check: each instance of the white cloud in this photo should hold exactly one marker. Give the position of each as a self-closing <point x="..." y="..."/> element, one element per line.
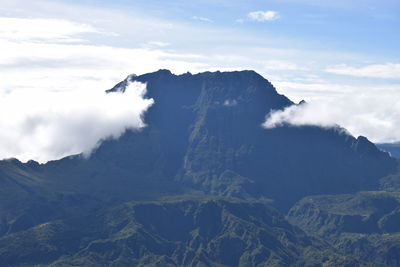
<point x="304" y="114"/>
<point x="52" y="100"/>
<point x="53" y="90"/>
<point x="55" y="30"/>
<point x="44" y="125"/>
<point x="263" y="15"/>
<point x="59" y="66"/>
<point x="385" y="71"/>
<point x="79" y="57"/>
<point x="375" y="115"/>
<point x="204" y="19"/>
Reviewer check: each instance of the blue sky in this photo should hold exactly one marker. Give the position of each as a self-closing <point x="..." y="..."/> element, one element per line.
<point x="341" y="56"/>
<point x="364" y="26"/>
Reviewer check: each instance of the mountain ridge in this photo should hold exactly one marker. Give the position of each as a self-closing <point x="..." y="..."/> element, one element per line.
<point x="203" y="138"/>
<point x="193" y="137"/>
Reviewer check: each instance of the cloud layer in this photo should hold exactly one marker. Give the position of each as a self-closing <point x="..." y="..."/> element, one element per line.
<point x="52" y="92"/>
<point x="379" y="123"/>
<point x="44" y="125"/>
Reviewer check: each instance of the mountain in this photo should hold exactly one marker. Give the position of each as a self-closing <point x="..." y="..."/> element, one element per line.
<point x="210" y="129"/>
<point x="196" y="232"/>
<point x="365" y="225"/>
<point x="204" y="144"/>
<point x="392" y="148"/>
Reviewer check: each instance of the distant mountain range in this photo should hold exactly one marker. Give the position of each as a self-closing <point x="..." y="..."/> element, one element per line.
<point x="204" y="184"/>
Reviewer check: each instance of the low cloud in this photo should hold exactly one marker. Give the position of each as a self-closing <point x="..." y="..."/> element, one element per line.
<point x="384" y="71"/>
<point x="52" y="99"/>
<point x="44" y="125"/>
<point x="262" y="16"/>
<point x="351" y="111"/>
<point x="303" y="114"/>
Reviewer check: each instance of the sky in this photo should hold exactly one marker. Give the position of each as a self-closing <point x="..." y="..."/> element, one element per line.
<point x="57" y="56"/>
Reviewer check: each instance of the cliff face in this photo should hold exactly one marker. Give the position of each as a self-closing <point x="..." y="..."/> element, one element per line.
<point x="205" y="133"/>
<point x="365" y="224"/>
<point x="210" y="133"/>
<point x="204" y="137"/>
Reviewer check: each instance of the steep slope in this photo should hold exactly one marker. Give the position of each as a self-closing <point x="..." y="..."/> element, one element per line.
<point x="204" y="136"/>
<point x="211" y="133"/>
<point x="204" y="133"/>
<point x="27" y="200"/>
<point x="208" y="232"/>
<point x="365" y="224"/>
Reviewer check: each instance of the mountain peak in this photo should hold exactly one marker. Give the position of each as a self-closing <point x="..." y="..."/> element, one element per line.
<point x="208" y="93"/>
<point x="164" y="72"/>
<point x="209" y="125"/>
<point x="214" y="76"/>
<point x="121" y="86"/>
<point x="204" y="144"/>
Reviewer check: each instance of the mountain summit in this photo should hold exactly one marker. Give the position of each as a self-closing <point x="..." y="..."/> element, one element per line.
<point x="205" y="133"/>
<point x="194" y="186"/>
<point x="209" y="127"/>
<point x="203" y="137"/>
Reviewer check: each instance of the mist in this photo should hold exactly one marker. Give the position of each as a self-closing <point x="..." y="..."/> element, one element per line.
<point x="44" y="125"/>
<point x="375" y="116"/>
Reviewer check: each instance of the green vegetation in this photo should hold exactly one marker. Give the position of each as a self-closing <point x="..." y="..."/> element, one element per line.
<point x="205" y="185"/>
<point x="365" y="225"/>
<point x="208" y="231"/>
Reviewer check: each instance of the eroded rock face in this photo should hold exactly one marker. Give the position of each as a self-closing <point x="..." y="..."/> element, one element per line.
<point x="171" y="233"/>
<point x="209" y="130"/>
<point x="365" y="224"/>
<point x="203" y="137"/>
<point x="204" y="134"/>
<point x="364" y="212"/>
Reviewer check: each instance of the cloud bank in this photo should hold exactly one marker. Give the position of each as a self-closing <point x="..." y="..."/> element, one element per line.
<point x="355" y="114"/>
<point x="45" y="125"/>
<point x="302" y="114"/>
<point x="52" y="99"/>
